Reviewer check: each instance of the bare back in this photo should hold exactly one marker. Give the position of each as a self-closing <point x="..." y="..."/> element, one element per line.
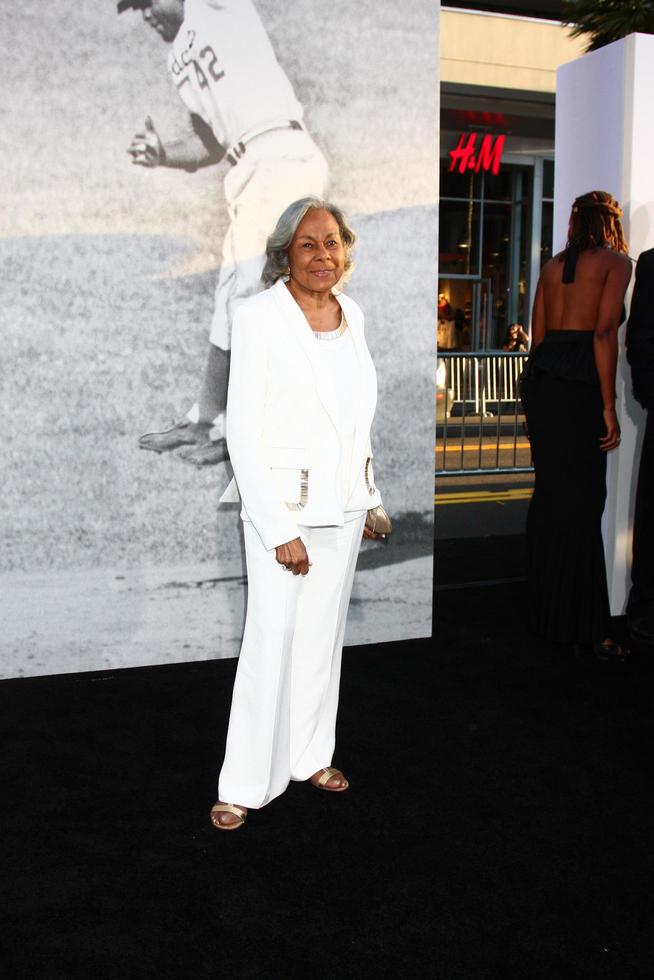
<point x="595" y="296"/>
<point x="590" y="301"/>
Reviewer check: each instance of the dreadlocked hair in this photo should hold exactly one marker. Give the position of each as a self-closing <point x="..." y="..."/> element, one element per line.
<point x="595" y="223"/>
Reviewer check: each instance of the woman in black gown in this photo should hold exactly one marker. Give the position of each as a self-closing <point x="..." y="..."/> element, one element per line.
<point x="568" y="393"/>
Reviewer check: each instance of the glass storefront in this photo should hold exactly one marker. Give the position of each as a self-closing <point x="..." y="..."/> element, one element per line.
<point x="485" y="241"/>
<point x="495" y="228"/>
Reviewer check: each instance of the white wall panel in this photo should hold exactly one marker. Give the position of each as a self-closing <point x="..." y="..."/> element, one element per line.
<point x="605" y="141"/>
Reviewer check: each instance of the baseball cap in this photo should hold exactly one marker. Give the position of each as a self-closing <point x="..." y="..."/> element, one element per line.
<point x="124" y="5"/>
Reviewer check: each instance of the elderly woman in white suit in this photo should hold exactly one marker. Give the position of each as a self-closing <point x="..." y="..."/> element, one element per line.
<point x="301" y="400"/>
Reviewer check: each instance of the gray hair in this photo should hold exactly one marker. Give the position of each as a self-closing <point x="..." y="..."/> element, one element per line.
<point x="278" y="243"/>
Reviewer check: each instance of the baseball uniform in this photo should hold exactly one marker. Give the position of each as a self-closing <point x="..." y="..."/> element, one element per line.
<point x="226" y="72"/>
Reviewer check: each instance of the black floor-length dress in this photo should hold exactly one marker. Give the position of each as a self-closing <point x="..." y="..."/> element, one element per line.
<point x="560" y="390"/>
<point x="568" y="594"/>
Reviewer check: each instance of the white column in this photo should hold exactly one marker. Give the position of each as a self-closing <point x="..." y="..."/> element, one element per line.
<point x="605" y="141"/>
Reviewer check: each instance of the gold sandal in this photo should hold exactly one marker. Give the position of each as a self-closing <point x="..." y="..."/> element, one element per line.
<point x="238" y="811"/>
<point x="328" y="774"/>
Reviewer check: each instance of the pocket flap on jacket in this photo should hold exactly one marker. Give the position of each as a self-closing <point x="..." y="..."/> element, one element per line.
<point x="288" y="458"/>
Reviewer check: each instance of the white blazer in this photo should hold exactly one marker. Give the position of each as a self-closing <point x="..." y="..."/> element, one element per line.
<point x="282" y="417"/>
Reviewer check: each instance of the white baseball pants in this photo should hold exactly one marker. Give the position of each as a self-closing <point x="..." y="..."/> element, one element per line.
<point x="283" y="716"/>
<point x="277" y="168"/>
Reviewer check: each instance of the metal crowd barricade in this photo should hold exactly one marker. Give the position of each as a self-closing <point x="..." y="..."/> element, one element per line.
<point x="479" y="420"/>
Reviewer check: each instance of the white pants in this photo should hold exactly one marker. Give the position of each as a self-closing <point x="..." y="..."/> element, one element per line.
<point x="283" y="717"/>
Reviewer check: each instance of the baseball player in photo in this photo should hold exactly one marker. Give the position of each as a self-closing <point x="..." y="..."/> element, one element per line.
<point x="243" y="111"/>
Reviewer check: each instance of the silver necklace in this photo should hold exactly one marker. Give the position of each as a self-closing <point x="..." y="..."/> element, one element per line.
<point x="332" y="334"/>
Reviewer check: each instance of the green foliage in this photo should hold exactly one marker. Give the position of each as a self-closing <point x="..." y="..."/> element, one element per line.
<point x="605" y="21"/>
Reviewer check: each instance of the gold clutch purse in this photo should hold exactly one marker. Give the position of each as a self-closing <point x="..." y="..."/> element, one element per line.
<point x="378" y="521"/>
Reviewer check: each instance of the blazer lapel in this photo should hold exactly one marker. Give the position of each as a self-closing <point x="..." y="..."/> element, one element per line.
<point x="303" y="334"/>
<point x="367" y="390"/>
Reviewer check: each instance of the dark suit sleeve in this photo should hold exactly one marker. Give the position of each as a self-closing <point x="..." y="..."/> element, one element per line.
<point x="640" y="331"/>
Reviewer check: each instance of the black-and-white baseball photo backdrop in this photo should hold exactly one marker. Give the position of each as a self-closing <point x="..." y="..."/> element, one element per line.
<point x="113" y="555"/>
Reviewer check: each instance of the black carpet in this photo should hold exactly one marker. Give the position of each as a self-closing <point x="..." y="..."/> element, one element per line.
<point x="498" y="823"/>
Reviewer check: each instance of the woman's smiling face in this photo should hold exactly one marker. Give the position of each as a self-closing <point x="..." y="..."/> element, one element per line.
<point x="316" y="255"/>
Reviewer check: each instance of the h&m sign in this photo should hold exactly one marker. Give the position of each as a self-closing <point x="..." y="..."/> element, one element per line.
<point x="469" y="155"/>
